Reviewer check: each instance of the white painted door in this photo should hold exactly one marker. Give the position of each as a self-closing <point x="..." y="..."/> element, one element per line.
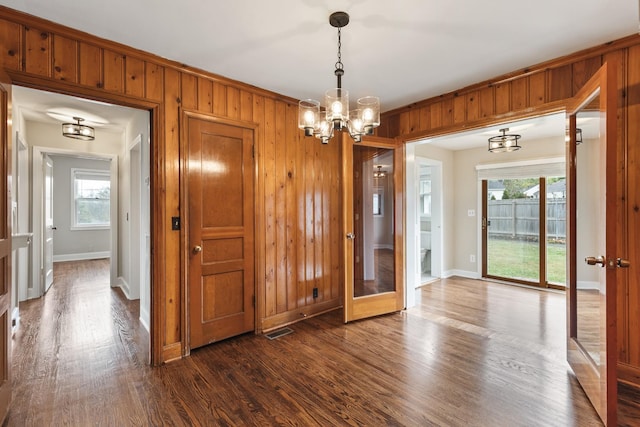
<point x="49" y="228"/>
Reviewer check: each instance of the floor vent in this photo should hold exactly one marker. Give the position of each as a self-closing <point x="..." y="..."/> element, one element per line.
<point x="279" y="333"/>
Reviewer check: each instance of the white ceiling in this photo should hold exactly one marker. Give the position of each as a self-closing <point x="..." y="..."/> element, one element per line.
<point x="402" y="51"/>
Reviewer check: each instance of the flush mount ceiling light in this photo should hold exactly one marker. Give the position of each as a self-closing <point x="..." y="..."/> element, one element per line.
<point x="379" y="173"/>
<point x="504" y="142"/>
<point x="336" y="115"/>
<point x="78" y="130"/>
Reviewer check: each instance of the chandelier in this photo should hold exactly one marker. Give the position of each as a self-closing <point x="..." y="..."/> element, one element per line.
<point x="336" y="115"/>
<point x="78" y="130"/>
<point x="504" y="142"/>
<point x="379" y="173"/>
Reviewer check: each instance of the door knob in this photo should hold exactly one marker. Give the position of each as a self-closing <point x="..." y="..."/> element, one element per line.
<point x="595" y="260"/>
<point x="197" y="249"/>
<point x="623" y="263"/>
<point x="351" y="236"/>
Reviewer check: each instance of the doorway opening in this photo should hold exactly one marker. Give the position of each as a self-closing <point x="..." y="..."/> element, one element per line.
<point x="90" y="199"/>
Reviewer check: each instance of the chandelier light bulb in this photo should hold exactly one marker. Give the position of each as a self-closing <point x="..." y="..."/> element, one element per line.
<point x="367" y="114"/>
<point x="336" y="108"/>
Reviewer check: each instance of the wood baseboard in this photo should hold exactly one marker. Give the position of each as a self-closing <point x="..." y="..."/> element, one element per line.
<point x="294" y="316"/>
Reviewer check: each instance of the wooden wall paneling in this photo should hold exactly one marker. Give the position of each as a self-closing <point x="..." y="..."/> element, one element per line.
<point x="519" y="94"/>
<point x="258" y="117"/>
<point x="37" y="50"/>
<point x="633" y="201"/>
<point x="173" y="326"/>
<point x="233" y="102"/>
<point x="414" y="120"/>
<point x="459" y="110"/>
<point x="447" y="112"/>
<point x="503" y="97"/>
<point x="301" y="219"/>
<point x="219" y="99"/>
<point x="154" y="81"/>
<point x="90" y="65"/>
<point x="317" y="228"/>
<point x="486" y="102"/>
<point x="473" y="109"/>
<point x="10" y="45"/>
<point x="560" y="83"/>
<point x="113" y="71"/>
<point x="290" y="214"/>
<point x="65" y="59"/>
<point x="246" y="106"/>
<point x="309" y="189"/>
<point x="436" y="115"/>
<point x="324" y="289"/>
<point x="280" y="219"/>
<point x="405" y="122"/>
<point x="583" y="70"/>
<point x="335" y="222"/>
<point x="205" y="95"/>
<point x="134" y="76"/>
<point x="270" y="214"/>
<point x="189" y="91"/>
<point x="537" y="89"/>
<point x="425" y="118"/>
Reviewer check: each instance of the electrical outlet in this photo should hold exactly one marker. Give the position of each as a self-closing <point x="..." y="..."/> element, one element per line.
<point x="315" y="292"/>
<point x="471" y="212"/>
<point x="472" y="258"/>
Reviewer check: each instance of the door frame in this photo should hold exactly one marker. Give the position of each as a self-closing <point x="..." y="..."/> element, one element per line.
<point x="258" y="209"/>
<point x="37" y="290"/>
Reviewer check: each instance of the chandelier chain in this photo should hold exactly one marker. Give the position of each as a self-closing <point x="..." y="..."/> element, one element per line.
<point x="339" y="65"/>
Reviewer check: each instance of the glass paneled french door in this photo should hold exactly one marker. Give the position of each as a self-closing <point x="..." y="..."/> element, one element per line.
<point x="524" y="230"/>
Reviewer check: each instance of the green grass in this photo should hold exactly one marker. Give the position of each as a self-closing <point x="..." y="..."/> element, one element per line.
<point x="519" y="259"/>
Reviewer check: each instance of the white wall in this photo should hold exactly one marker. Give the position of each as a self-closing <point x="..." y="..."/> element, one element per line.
<point x="71" y="244"/>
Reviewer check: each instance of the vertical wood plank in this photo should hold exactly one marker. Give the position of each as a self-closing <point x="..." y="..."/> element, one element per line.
<point x="503" y="98"/>
<point x="447" y="112"/>
<point x="405" y="122"/>
<point x="154" y="81"/>
<point x="10" y="45"/>
<point x="90" y="65"/>
<point x="219" y="99"/>
<point x="134" y="76"/>
<point x="473" y="110"/>
<point x="233" y="102"/>
<point x="436" y="115"/>
<point x="309" y="190"/>
<point x="560" y="83"/>
<point x="173" y="282"/>
<point x="520" y="94"/>
<point x="300" y="206"/>
<point x="37" y="52"/>
<point x="486" y="102"/>
<point x="259" y="117"/>
<point x="189" y="91"/>
<point x="317" y="227"/>
<point x="537" y="89"/>
<point x="113" y="71"/>
<point x="268" y="174"/>
<point x="290" y="213"/>
<point x="425" y="118"/>
<point x="205" y="95"/>
<point x="280" y="218"/>
<point x="583" y="70"/>
<point x="65" y="59"/>
<point x="414" y="120"/>
<point x="459" y="110"/>
<point x="246" y="107"/>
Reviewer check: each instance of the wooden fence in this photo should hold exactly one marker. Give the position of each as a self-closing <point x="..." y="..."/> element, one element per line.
<point x="520" y="219"/>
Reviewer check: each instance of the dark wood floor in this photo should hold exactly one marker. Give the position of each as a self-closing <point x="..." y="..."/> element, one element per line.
<point x="470" y="354"/>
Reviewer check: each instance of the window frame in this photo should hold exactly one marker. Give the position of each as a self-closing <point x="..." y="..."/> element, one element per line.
<point x="100" y="175"/>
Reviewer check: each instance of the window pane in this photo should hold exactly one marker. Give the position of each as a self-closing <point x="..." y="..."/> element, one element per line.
<point x="556" y="230"/>
<point x="91" y="198"/>
<point x="92" y="212"/>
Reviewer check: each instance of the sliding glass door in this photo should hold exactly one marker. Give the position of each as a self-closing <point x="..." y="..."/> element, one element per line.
<point x="524" y="230"/>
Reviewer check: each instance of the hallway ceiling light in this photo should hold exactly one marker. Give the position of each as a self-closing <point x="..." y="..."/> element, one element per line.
<point x="78" y="130"/>
<point x="336" y="114"/>
<point x="379" y="173"/>
<point x="504" y="142"/>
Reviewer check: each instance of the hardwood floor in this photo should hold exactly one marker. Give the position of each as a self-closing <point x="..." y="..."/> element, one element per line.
<point x="471" y="353"/>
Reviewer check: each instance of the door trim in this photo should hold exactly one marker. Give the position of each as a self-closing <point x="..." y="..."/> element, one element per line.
<point x="258" y="208"/>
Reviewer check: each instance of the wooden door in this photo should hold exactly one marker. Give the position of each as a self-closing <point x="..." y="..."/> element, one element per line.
<point x="49" y="228"/>
<point x="593" y="261"/>
<point x="5" y="248"/>
<point x="372" y="220"/>
<point x="220" y="206"/>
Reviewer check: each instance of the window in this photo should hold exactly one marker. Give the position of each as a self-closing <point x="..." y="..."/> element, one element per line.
<point x="378" y="201"/>
<point x="91" y="191"/>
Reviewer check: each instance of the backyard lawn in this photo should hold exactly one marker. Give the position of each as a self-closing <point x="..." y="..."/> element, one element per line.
<point x="519" y="260"/>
